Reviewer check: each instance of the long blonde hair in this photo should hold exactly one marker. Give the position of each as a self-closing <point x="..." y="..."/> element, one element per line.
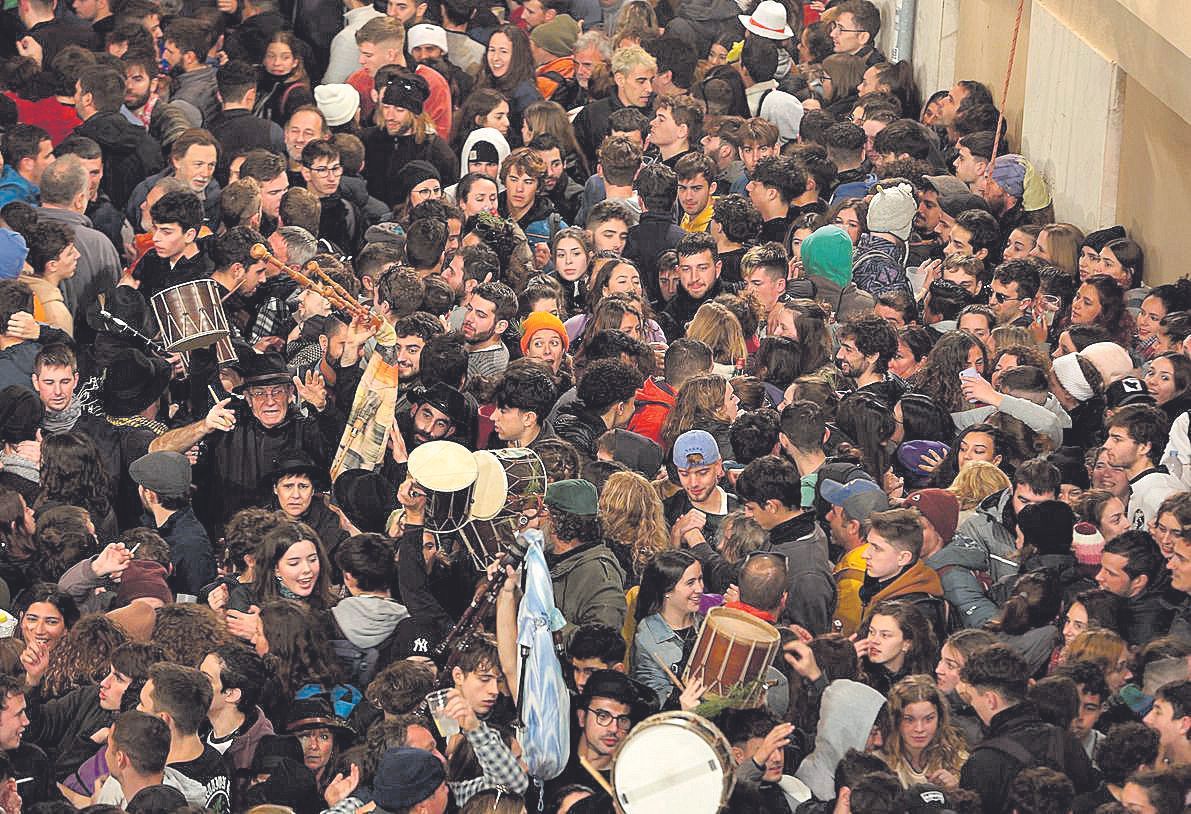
<point x="631" y="512"/>
<point x="1063" y="242"/>
<point x="699" y="401"/>
<point x="946" y="749"/>
<point x="720" y="330"/>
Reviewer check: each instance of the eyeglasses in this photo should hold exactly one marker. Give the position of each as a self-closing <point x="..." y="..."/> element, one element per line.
<point x="836" y="27"/>
<point x="762" y="553"/>
<point x="269" y="393"/>
<point x="997" y="296"/>
<point x="335" y="170"/>
<point x="604" y="717"/>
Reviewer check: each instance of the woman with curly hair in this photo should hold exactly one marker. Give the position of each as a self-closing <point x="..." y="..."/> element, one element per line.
<point x="631" y="512"/>
<point x="83" y="656"/>
<point x="974" y="482"/>
<point x="704" y="402"/>
<point x="923" y="746"/>
<point x="188" y="632"/>
<point x="939" y="377"/>
<point x="293" y="641"/>
<point x="72" y="473"/>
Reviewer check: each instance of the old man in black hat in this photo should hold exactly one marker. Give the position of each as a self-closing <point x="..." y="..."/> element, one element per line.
<point x="243" y="441"/>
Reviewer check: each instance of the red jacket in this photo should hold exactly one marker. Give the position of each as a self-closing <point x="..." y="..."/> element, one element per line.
<point x="56" y="118"/>
<point x="654" y="402"/>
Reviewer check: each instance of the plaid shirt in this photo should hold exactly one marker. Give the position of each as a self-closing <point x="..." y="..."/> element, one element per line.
<point x="500" y="769"/>
<point x="270" y="320"/>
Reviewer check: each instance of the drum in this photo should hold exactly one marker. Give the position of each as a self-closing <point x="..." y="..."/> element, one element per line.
<point x="447" y="472"/>
<point x="509" y="491"/>
<point x="190" y="315"/>
<point x="734" y="648"/>
<point x="673" y="762"/>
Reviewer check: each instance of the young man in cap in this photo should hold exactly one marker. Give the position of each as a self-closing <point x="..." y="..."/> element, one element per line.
<point x="552" y="44"/>
<point x="701" y="504"/>
<point x="588" y="581"/>
<point x="410" y="780"/>
<point x="164" y="481"/>
<point x="851" y="504"/>
<point x="770" y="491"/>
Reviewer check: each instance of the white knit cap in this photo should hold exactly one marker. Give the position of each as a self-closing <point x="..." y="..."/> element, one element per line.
<point x="337" y="102"/>
<point x="1113" y="361"/>
<point x="1067" y="371"/>
<point x="892" y="210"/>
<point x="427" y="34"/>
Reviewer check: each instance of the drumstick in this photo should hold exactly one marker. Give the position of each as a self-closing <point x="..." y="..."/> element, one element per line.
<point x="668" y="671"/>
<point x="599" y="778"/>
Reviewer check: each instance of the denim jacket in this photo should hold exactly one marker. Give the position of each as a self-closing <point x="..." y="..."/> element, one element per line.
<point x="656" y="637"/>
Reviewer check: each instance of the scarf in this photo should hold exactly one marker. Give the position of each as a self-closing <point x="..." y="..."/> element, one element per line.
<point x="64" y="420"/>
<point x="21" y="467"/>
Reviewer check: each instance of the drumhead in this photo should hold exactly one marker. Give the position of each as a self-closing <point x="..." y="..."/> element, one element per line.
<point x="443" y="466"/>
<point x="741" y="625"/>
<point x="672" y="762"/>
<point x="492" y="487"/>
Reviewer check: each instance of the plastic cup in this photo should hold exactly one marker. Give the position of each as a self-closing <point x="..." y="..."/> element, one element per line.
<point x="446" y="725"/>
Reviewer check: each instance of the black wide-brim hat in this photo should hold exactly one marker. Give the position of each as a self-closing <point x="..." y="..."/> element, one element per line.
<point x="296" y="462"/>
<point x="134" y="381"/>
<point x="263" y="369"/>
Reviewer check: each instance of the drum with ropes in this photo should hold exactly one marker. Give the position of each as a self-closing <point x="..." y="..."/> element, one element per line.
<point x="673" y="763"/>
<point x="446" y="472"/>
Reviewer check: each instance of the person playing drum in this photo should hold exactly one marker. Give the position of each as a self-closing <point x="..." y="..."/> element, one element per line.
<point x="668" y="619"/>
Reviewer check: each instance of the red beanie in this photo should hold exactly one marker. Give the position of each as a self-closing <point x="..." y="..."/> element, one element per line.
<point x="938" y="506"/>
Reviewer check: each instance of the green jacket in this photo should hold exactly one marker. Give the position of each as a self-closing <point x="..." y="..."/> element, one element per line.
<point x="588" y="587"/>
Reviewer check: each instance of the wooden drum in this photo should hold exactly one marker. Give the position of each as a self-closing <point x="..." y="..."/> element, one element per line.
<point x="733" y="648"/>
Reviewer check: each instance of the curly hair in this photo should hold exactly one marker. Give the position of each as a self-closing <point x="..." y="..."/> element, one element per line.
<point x="632" y="515"/>
<point x="1113" y="317"/>
<point x="63" y="538"/>
<point x="72" y="473"/>
<point x="243" y="532"/>
<point x="939" y="377"/>
<point x="945" y="750"/>
<point x="699" y="402"/>
<point x="400" y="687"/>
<point x="977" y="481"/>
<point x="83" y="656"/>
<point x="740" y="535"/>
<point x="187" y="633"/>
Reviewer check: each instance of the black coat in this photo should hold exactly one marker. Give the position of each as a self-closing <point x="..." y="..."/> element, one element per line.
<point x="655" y="233"/>
<point x="244" y="130"/>
<point x="989" y="771"/>
<point x="681" y="310"/>
<point x="129" y="154"/>
<point x="385" y="155"/>
<point x="63" y="727"/>
<point x="190" y="552"/>
<point x="581" y="428"/>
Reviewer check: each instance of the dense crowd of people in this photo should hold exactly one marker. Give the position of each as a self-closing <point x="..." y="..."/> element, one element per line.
<point x="784" y="337"/>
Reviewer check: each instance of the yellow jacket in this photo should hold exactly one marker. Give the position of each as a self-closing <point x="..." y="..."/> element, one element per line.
<point x="849" y="576"/>
<point x="701" y="222"/>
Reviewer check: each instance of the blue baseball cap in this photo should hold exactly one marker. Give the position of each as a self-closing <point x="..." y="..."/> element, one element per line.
<point x="859" y="497"/>
<point x="695" y="448"/>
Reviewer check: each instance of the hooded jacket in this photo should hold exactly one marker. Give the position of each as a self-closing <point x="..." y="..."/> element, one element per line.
<point x="492" y="136"/>
<point x="655" y="399"/>
<point x="812" y="591"/>
<point x="15" y="187"/>
<point x="367" y="621"/>
<point x="129" y="154"/>
<point x="846" y="715"/>
<point x="241" y="750"/>
<point x="878" y="265"/>
<point x="986" y="528"/>
<point x="957" y="564"/>
<point x="588" y="587"/>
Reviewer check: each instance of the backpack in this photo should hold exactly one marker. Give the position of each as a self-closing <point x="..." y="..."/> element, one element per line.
<point x="568" y="93"/>
<point x="1054" y="757"/>
<point x="358" y="663"/>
